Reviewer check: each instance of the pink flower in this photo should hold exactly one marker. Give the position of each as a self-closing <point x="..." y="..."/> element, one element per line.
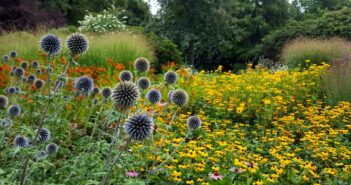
<point x="215" y="176"/>
<point x="131" y="174"/>
<point x="236" y="170"/>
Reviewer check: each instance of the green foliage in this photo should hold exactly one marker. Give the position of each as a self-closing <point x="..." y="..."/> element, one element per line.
<point x="105" y="21"/>
<point x="165" y="51"/>
<point x="316" y="51"/>
<point x="329" y="24"/>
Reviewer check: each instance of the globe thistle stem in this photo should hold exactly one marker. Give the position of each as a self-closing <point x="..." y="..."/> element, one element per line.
<point x="152" y="171"/>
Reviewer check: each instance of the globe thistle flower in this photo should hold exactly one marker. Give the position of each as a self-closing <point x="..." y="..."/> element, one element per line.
<point x="38" y="83"/>
<point x="139" y="126"/>
<point x="50" y="44"/>
<point x="143" y="83"/>
<point x="171" y="77"/>
<point x="84" y="85"/>
<point x="31" y="78"/>
<point x="35" y="64"/>
<point x="38" y="71"/>
<point x="179" y="97"/>
<point x="40" y="155"/>
<point x="6" y="122"/>
<point x="106" y="92"/>
<point x="4" y="101"/>
<point x="125" y="95"/>
<point x="20" y="141"/>
<point x="154" y="96"/>
<point x="51" y="148"/>
<point x="13" y="54"/>
<point x="125" y="76"/>
<point x="77" y="44"/>
<point x="5" y="58"/>
<point x="44" y="135"/>
<point x="96" y="90"/>
<point x="142" y="65"/>
<point x="24" y="64"/>
<point x="19" y="72"/>
<point x="14" y="110"/>
<point x="169" y="95"/>
<point x="193" y="122"/>
<point x="10" y="91"/>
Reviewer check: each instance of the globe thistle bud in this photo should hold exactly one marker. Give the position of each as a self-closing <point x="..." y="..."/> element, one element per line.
<point x="4" y="101"/>
<point x="59" y="84"/>
<point x="20" y="141"/>
<point x="84" y="85"/>
<point x="77" y="44"/>
<point x="193" y="122"/>
<point x="171" y="77"/>
<point x="142" y="65"/>
<point x="44" y="135"/>
<point x="13" y="54"/>
<point x="96" y="90"/>
<point x="106" y="92"/>
<point x="143" y="83"/>
<point x="51" y="148"/>
<point x="19" y="72"/>
<point x="154" y="96"/>
<point x="139" y="126"/>
<point x="125" y="76"/>
<point x="50" y="44"/>
<point x="10" y="91"/>
<point x="38" y="83"/>
<point x="94" y="101"/>
<point x="17" y="89"/>
<point x="125" y="95"/>
<point x="38" y="71"/>
<point x="179" y="97"/>
<point x="31" y="78"/>
<point x="169" y="95"/>
<point x="24" y="64"/>
<point x="35" y="64"/>
<point x="40" y="155"/>
<point x="6" y="122"/>
<point x="14" y="110"/>
<point x="5" y="58"/>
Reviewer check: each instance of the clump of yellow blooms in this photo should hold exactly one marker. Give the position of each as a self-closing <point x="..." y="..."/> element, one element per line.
<point x="259" y="127"/>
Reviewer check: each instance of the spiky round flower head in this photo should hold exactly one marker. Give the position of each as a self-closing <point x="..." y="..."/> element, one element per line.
<point x="38" y="71"/>
<point x="4" y="101"/>
<point x="10" y="90"/>
<point x="141" y="65"/>
<point x="193" y="122"/>
<point x="31" y="78"/>
<point x="171" y="77"/>
<point x="6" y="122"/>
<point x="19" y="72"/>
<point x="35" y="64"/>
<point x="14" y="110"/>
<point x="106" y="92"/>
<point x="139" y="126"/>
<point x="41" y="154"/>
<point x="125" y="95"/>
<point x="84" y="85"/>
<point x="44" y="135"/>
<point x="20" y="141"/>
<point x="77" y="44"/>
<point x="24" y="64"/>
<point x="38" y="83"/>
<point x="96" y="90"/>
<point x="179" y="97"/>
<point x="13" y="54"/>
<point x="50" y="44"/>
<point x="143" y="83"/>
<point x="51" y="148"/>
<point x="169" y="95"/>
<point x="154" y="96"/>
<point x="125" y="75"/>
<point x="5" y="58"/>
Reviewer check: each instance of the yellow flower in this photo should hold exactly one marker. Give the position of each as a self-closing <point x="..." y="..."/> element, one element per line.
<point x="189" y="182"/>
<point x="266" y="101"/>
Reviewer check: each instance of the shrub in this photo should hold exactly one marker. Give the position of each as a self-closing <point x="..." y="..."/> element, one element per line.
<point x="337" y="82"/>
<point x="316" y="51"/>
<point x="105" y="21"/>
